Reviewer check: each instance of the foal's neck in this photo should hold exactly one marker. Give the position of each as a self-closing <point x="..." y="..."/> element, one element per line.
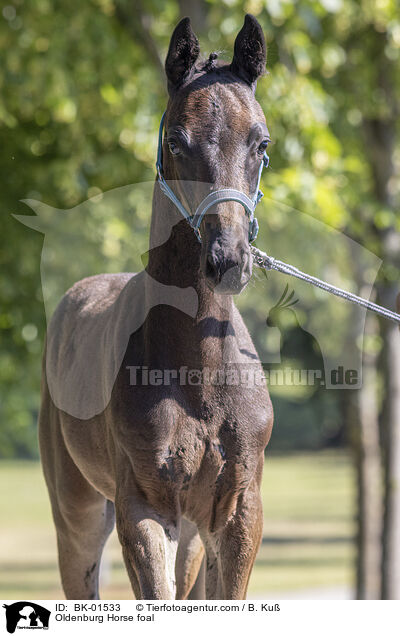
<point x="175" y="252"/>
<point x="174" y="260"/>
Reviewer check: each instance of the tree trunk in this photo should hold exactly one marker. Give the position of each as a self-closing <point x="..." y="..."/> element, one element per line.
<point x="369" y="476"/>
<point x="134" y="18"/>
<point x="391" y="428"/>
<point x="380" y="137"/>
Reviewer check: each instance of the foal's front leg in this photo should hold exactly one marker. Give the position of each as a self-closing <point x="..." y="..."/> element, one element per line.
<point x="190" y="583"/>
<point x="239" y="546"/>
<point x="231" y="551"/>
<point x="149" y="545"/>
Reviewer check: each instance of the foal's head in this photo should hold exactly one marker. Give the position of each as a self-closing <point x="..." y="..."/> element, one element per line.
<point x="215" y="137"/>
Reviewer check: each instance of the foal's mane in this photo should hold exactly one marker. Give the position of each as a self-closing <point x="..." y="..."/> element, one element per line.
<point x="210" y="64"/>
<point x="210" y="71"/>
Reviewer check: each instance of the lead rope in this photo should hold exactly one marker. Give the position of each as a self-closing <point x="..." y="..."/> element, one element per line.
<point x="262" y="260"/>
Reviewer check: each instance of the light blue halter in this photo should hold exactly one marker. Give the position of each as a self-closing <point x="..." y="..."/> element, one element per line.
<point x="218" y="196"/>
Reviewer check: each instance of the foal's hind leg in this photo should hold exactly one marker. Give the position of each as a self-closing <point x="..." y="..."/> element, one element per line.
<point x="82" y="516"/>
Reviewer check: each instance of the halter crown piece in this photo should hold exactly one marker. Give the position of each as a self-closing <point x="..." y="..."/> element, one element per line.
<point x="217" y="196"/>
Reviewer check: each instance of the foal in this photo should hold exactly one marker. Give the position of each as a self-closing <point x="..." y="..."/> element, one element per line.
<point x="177" y="463"/>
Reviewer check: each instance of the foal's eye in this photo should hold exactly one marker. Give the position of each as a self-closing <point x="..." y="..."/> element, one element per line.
<point x="174" y="149"/>
<point x="262" y="147"/>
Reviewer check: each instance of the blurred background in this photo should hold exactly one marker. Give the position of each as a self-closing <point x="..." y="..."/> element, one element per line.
<point x="82" y="93"/>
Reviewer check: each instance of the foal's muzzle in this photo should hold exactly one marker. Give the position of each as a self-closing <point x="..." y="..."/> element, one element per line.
<point x="227" y="271"/>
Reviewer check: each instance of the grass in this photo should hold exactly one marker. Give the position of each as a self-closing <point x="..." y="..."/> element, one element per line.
<point x="308" y="531"/>
<point x="308" y="523"/>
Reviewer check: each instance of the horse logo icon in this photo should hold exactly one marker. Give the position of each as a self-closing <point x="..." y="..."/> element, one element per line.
<point x="26" y="615"/>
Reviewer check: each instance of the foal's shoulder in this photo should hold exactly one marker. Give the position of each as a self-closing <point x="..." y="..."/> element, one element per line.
<point x="100" y="288"/>
<point x="87" y="339"/>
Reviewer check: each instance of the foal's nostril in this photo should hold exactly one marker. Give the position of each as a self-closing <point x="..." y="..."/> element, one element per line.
<point x="232" y="273"/>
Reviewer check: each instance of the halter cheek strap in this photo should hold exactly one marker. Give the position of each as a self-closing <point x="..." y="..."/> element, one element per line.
<point x="218" y="196"/>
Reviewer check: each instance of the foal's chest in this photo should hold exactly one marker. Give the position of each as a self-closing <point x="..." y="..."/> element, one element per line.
<point x="203" y="459"/>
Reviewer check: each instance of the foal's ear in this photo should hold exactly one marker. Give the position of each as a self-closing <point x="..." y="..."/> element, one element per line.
<point x="250" y="52"/>
<point x="183" y="52"/>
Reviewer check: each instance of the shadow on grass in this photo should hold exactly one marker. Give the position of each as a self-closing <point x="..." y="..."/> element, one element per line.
<point x="306" y="540"/>
<point x="316" y="562"/>
<point x="10" y="567"/>
<point x="32" y="586"/>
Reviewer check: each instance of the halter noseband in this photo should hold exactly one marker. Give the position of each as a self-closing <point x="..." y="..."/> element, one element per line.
<point x="218" y="196"/>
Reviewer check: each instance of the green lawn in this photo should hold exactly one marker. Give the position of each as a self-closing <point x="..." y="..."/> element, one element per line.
<point x="308" y="530"/>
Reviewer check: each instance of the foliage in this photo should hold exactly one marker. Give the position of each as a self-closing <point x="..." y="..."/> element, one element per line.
<point x="80" y="101"/>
